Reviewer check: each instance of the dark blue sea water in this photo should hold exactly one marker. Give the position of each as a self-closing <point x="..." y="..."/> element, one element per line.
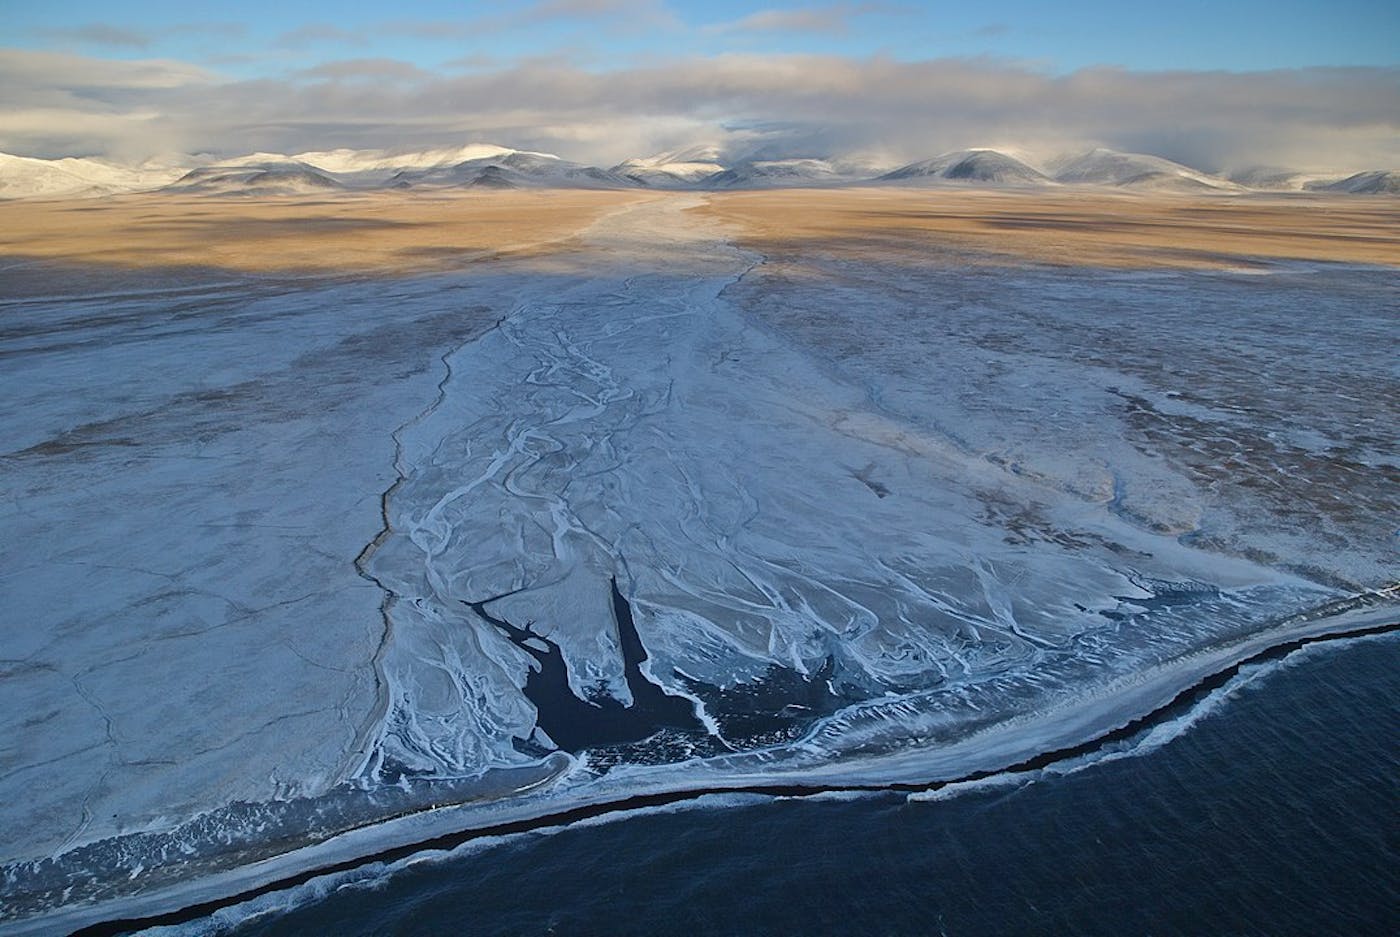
<point x="1276" y="813"/>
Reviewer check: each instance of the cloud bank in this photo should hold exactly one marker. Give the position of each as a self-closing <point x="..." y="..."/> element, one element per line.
<point x="55" y="104"/>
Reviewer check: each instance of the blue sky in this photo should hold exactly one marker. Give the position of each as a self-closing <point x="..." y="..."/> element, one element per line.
<point x="1301" y="84"/>
<point x="258" y="37"/>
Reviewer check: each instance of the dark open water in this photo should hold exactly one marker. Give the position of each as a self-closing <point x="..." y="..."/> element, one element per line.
<point x="1277" y="813"/>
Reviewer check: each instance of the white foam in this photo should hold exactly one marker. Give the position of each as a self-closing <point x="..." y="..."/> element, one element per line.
<point x="377" y="875"/>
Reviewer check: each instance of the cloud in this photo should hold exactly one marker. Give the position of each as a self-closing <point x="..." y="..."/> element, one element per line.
<point x="100" y="34"/>
<point x="475" y="61"/>
<point x="316" y="33"/>
<point x="616" y="15"/>
<point x="373" y="69"/>
<point x="800" y="105"/>
<point x="213" y="30"/>
<point x="55" y="103"/>
<point x="648" y="10"/>
<point x="426" y="29"/>
<point x="24" y="72"/>
<point x="834" y="19"/>
<point x="119" y="37"/>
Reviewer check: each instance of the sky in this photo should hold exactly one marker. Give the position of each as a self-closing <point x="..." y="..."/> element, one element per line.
<point x="1310" y="85"/>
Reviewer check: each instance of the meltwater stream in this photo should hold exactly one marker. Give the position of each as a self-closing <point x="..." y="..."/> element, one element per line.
<point x="1271" y="812"/>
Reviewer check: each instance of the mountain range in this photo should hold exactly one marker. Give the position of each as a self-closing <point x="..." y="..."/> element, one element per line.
<point x="702" y="167"/>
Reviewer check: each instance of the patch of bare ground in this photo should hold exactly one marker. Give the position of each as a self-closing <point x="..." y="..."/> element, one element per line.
<point x="1094" y="228"/>
<point x="377" y="233"/>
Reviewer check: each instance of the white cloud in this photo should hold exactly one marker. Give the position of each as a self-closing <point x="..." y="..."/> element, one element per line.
<point x="100" y="34"/>
<point x="834" y="19"/>
<point x="23" y="71"/>
<point x="367" y="69"/>
<point x="1341" y="118"/>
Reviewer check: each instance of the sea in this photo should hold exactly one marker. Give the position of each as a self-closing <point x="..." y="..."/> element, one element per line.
<point x="1271" y="807"/>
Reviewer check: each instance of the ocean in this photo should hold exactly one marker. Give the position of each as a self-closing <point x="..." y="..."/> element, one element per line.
<point x="1269" y="807"/>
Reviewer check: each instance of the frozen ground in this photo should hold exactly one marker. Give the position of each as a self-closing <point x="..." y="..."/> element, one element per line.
<point x="283" y="559"/>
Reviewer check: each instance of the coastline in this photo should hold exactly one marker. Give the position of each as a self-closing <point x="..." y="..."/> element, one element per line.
<point x="449" y="825"/>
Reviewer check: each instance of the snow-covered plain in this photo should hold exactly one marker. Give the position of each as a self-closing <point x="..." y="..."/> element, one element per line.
<point x="281" y="557"/>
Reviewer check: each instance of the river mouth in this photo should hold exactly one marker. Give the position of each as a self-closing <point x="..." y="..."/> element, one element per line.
<point x="599" y="721"/>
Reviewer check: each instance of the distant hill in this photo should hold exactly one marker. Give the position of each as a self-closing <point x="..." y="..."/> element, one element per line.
<point x="1364" y="183"/>
<point x="515" y="169"/>
<point x="1174" y="182"/>
<point x="25" y="177"/>
<point x="1102" y="166"/>
<point x="979" y="165"/>
<point x="774" y="173"/>
<point x="492" y="177"/>
<point x="362" y="162"/>
<point x="1279" y="179"/>
<point x="700" y="167"/>
<point x="673" y="169"/>
<point x="282" y="178"/>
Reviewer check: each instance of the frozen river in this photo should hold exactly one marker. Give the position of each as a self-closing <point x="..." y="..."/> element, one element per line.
<point x="287" y="562"/>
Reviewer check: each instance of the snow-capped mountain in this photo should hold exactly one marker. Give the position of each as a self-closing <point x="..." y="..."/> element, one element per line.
<point x="514" y="169"/>
<point x="25" y="177"/>
<point x="1279" y="179"/>
<point x="348" y="162"/>
<point x="1364" y="183"/>
<point x="264" y="173"/>
<point x="975" y="165"/>
<point x="675" y="168"/>
<point x="770" y="173"/>
<point x="1101" y="166"/>
<point x="280" y="176"/>
<point x="702" y="167"/>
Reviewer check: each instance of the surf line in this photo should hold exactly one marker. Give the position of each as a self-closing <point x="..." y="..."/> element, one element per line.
<point x="1178" y="705"/>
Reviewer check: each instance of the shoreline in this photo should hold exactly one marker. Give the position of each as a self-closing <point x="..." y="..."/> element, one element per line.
<point x="1371" y="614"/>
